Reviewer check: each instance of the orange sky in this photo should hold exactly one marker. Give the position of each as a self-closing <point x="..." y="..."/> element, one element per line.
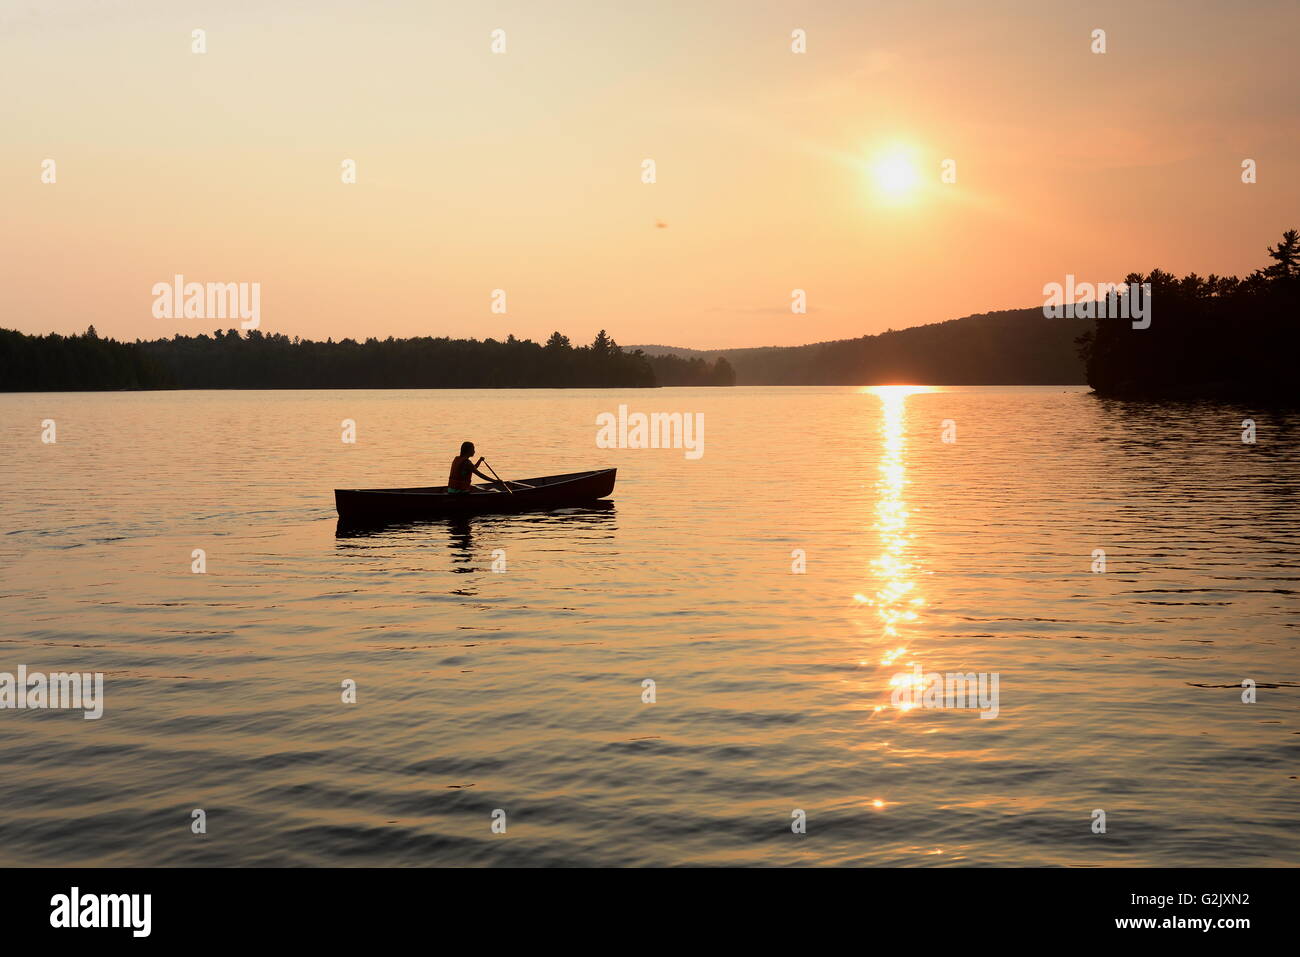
<point x="522" y="170"/>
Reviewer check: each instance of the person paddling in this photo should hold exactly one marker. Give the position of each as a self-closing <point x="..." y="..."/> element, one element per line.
<point x="463" y="470"/>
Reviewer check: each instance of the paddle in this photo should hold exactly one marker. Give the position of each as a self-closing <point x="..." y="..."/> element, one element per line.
<point x="498" y="477"/>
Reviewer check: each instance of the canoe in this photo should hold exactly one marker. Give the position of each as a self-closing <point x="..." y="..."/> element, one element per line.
<point x="548" y="491"/>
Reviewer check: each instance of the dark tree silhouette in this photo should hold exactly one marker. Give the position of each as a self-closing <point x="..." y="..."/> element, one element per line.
<point x="1214" y="338"/>
<point x="258" y="360"/>
<point x="675" y="370"/>
<point x="1286" y="255"/>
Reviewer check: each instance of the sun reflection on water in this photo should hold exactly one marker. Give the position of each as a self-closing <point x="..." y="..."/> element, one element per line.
<point x="895" y="600"/>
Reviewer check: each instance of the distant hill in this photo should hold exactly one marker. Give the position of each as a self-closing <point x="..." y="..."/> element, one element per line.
<point x="679" y="351"/>
<point x="1010" y="347"/>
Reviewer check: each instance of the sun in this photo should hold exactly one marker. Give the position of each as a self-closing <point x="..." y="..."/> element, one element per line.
<point x="895" y="175"/>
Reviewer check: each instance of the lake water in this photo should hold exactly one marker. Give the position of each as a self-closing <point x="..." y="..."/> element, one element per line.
<point x="522" y="690"/>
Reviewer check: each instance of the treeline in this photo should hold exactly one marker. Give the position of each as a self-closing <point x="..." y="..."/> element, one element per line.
<point x="228" y="360"/>
<point x="57" y="363"/>
<point x="1212" y="337"/>
<point x="676" y="370"/>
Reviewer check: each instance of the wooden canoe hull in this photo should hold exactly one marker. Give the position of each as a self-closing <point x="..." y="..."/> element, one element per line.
<point x="548" y="491"/>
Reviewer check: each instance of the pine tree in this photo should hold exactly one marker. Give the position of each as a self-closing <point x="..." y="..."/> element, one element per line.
<point x="1287" y="256"/>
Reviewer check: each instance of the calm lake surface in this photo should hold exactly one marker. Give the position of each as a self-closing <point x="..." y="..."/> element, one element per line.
<point x="522" y="690"/>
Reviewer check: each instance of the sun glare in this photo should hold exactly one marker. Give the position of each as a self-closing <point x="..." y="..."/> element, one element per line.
<point x="895" y="175"/>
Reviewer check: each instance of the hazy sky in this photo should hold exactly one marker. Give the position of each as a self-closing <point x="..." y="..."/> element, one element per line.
<point x="522" y="170"/>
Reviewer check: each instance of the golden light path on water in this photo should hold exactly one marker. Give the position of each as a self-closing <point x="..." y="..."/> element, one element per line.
<point x="895" y="599"/>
